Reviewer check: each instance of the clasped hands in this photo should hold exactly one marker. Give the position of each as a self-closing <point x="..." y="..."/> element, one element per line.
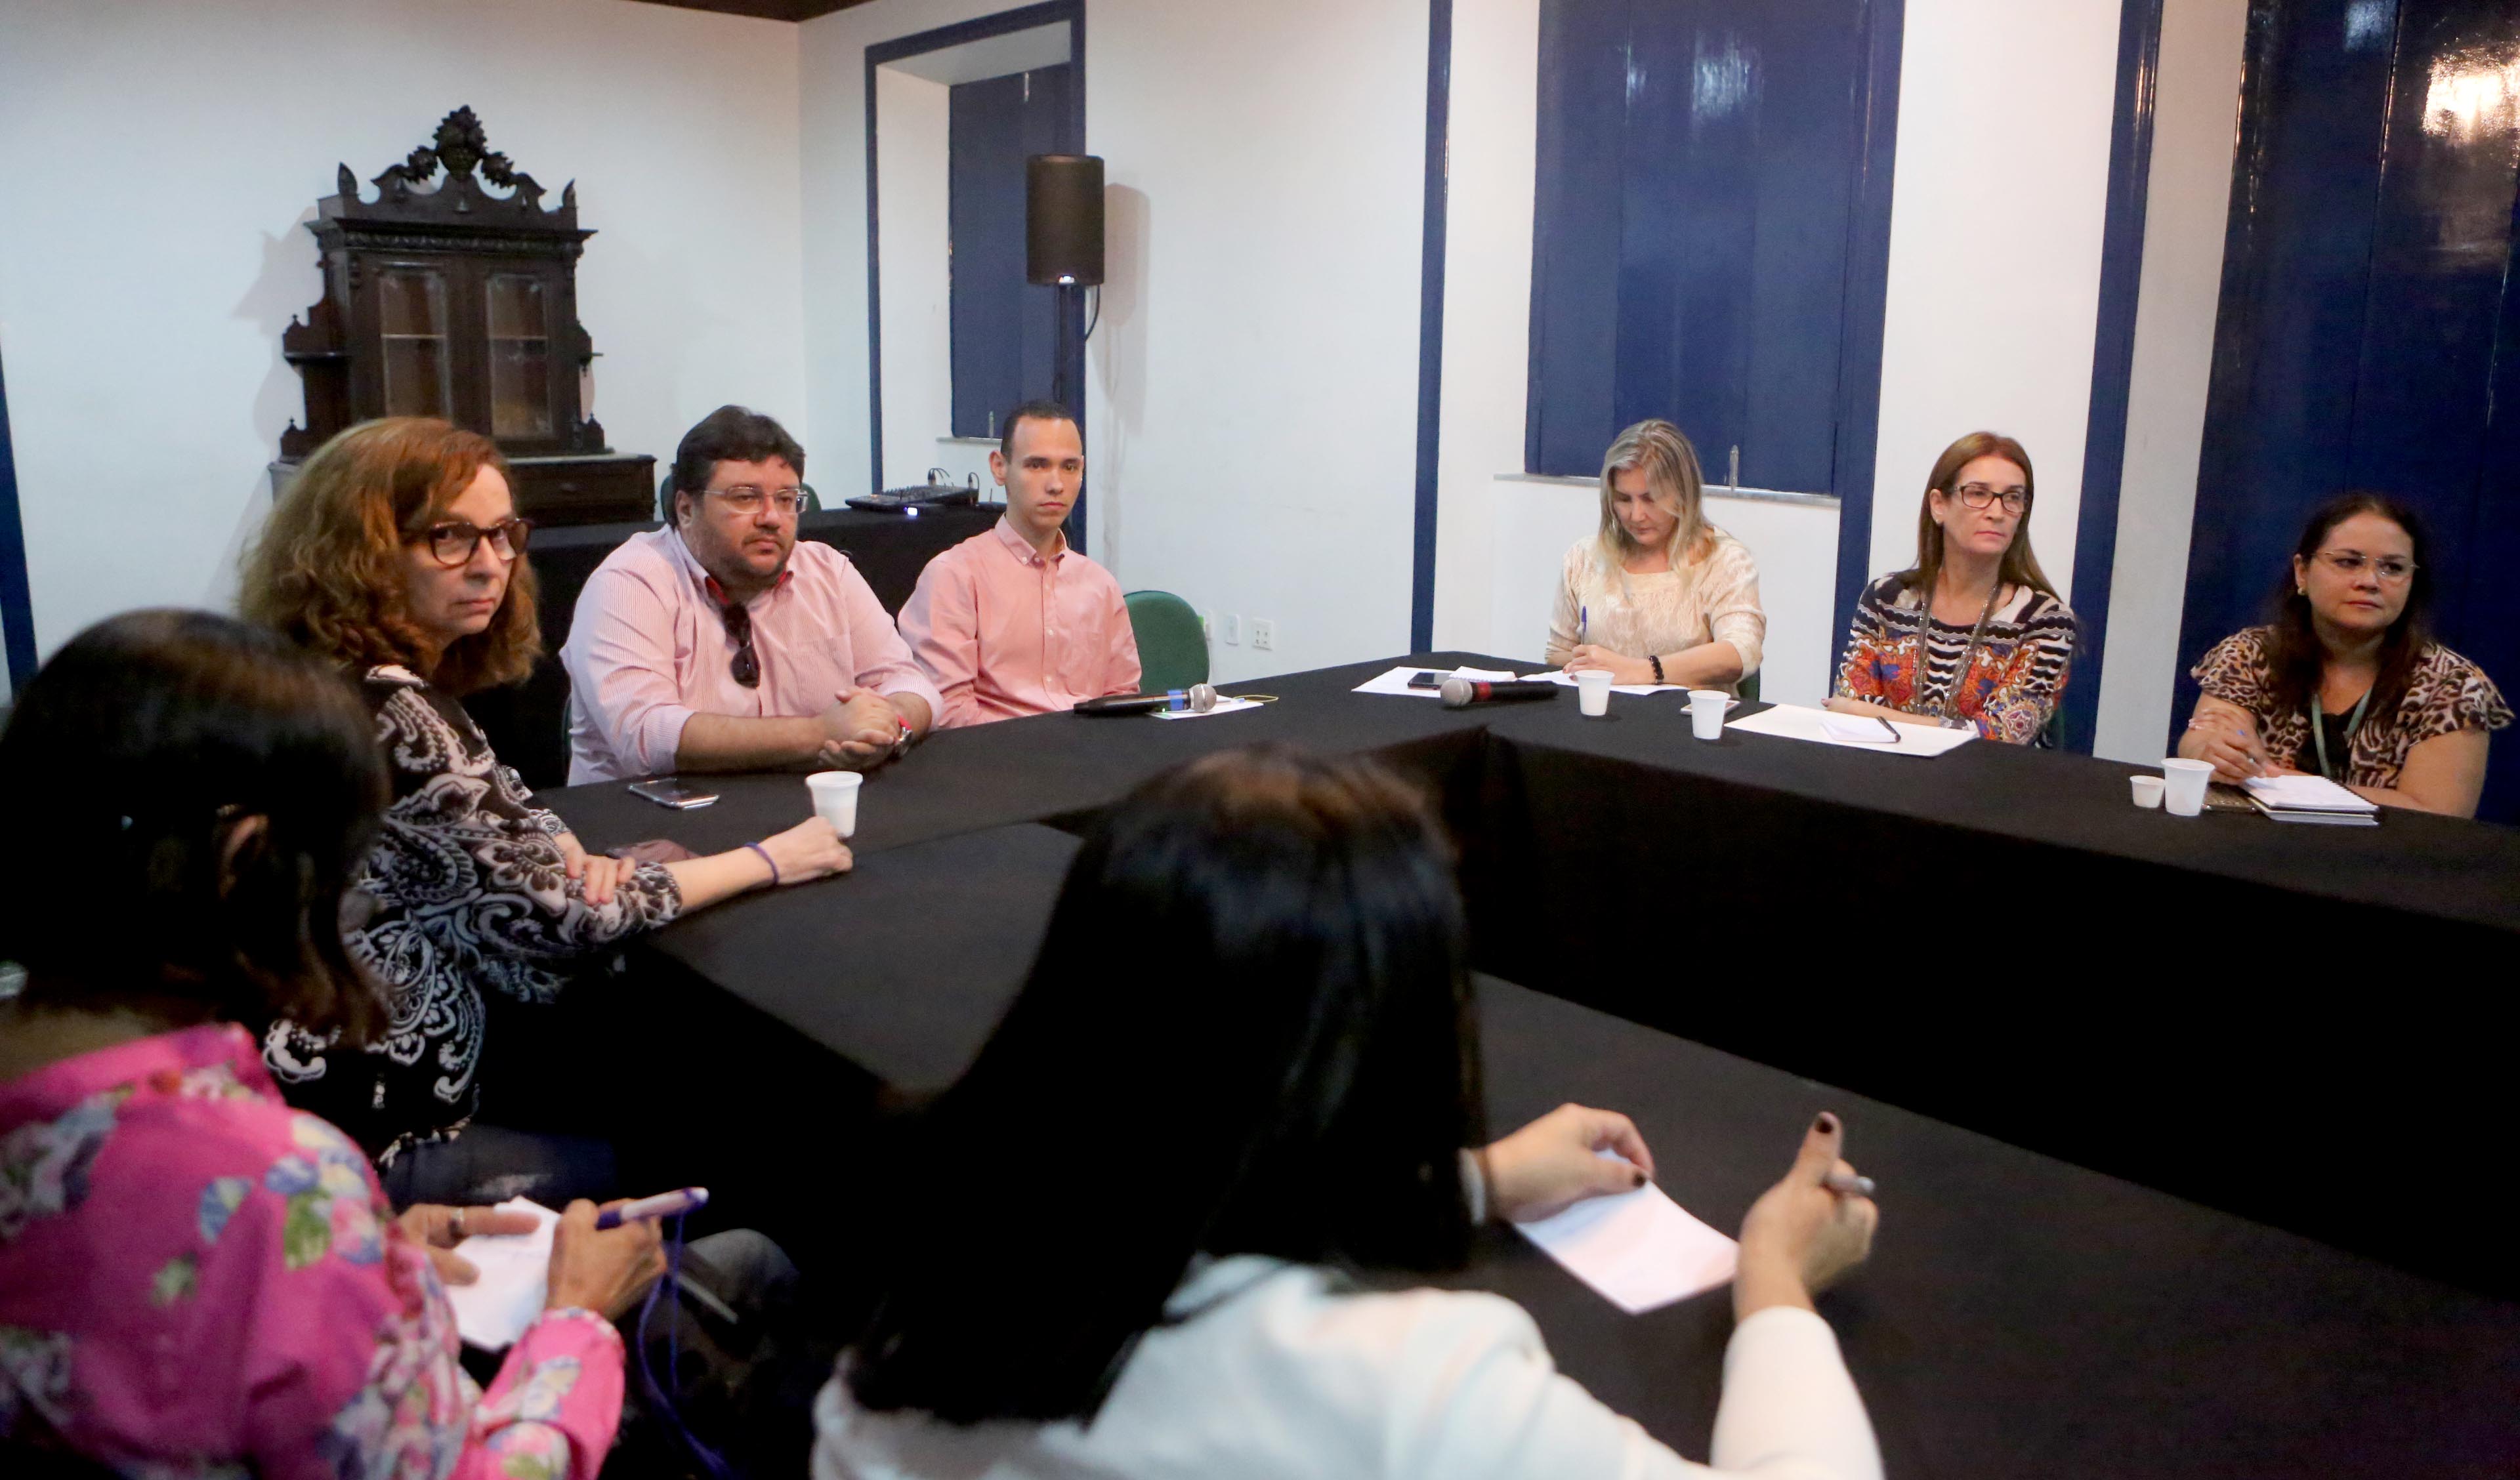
<point x="861" y="727"/>
<point x="1796" y="1239"/>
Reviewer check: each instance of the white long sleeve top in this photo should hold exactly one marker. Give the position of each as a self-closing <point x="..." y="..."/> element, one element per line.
<point x="1272" y="1370"/>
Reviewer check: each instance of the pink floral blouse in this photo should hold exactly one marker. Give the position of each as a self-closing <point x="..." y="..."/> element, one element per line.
<point x="198" y="1281"/>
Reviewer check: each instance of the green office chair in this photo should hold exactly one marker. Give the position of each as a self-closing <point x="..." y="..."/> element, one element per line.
<point x="1750" y="687"/>
<point x="1172" y="646"/>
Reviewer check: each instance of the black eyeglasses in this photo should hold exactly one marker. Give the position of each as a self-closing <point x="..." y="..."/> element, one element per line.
<point x="739" y="626"/>
<point x="1979" y="496"/>
<point x="451" y="543"/>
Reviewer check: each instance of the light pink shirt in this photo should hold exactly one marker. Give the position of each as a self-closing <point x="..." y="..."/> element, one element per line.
<point x="1005" y="632"/>
<point x="648" y="649"/>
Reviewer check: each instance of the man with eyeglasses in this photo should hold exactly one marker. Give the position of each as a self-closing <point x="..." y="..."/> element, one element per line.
<point x="721" y="644"/>
<point x="1011" y="621"/>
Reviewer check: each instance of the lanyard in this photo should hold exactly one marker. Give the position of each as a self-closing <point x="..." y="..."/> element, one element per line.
<point x="2318" y="730"/>
<point x="1941" y="714"/>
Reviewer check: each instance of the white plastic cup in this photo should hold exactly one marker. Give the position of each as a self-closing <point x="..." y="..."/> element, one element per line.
<point x="1706" y="711"/>
<point x="2147" y="791"/>
<point x="836" y="800"/>
<point x="1593" y="692"/>
<point x="2182" y="786"/>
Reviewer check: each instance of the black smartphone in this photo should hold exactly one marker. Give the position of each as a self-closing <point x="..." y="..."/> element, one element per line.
<point x="1426" y="678"/>
<point x="672" y="791"/>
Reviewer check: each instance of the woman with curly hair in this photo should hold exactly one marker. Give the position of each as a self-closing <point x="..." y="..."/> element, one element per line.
<point x="398" y="554"/>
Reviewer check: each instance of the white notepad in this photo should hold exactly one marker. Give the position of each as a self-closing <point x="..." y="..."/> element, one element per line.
<point x="2307" y="794"/>
<point x="1860" y="732"/>
<point x="1640" y="1250"/>
<point x="1225" y="704"/>
<point x="493" y="1310"/>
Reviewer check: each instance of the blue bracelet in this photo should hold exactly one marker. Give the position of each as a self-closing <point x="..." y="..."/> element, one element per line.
<point x="767" y="859"/>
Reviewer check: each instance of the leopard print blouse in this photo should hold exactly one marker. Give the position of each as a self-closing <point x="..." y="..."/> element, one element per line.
<point x="2448" y="693"/>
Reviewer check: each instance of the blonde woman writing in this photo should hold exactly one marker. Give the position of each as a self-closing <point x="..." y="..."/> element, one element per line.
<point x="1657" y="595"/>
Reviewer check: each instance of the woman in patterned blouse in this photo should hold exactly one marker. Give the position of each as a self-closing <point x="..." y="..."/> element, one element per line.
<point x="1972" y="635"/>
<point x="1657" y="595"/>
<point x="195" y="1279"/>
<point x="398" y="554"/>
<point x="2347" y="682"/>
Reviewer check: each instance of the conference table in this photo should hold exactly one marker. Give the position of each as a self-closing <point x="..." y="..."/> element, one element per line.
<point x="1685" y="931"/>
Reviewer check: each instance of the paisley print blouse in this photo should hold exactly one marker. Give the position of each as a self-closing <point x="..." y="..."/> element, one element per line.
<point x="470" y="893"/>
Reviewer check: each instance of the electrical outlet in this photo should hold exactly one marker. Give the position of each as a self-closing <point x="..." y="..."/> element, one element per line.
<point x="1264" y="633"/>
<point x="1231" y="627"/>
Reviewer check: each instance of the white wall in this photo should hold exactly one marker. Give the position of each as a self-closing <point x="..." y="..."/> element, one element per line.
<point x="913" y="202"/>
<point x="1251" y="391"/>
<point x="2195" y="129"/>
<point x="2025" y="279"/>
<point x="1998" y="201"/>
<point x="162" y="155"/>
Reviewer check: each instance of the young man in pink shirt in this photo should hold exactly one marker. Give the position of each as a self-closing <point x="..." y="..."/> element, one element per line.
<point x="1013" y="621"/>
<point x="721" y="644"/>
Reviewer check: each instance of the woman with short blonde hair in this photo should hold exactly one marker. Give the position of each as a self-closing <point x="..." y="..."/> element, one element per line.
<point x="1656" y="595"/>
<point x="1972" y="636"/>
<point x="398" y="554"/>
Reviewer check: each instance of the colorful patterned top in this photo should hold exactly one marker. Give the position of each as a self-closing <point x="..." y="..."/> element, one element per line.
<point x="199" y="1282"/>
<point x="469" y="890"/>
<point x="2013" y="685"/>
<point x="2446" y="693"/>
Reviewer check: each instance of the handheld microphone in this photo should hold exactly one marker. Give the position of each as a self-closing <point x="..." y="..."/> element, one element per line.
<point x="1198" y="699"/>
<point x="1460" y="693"/>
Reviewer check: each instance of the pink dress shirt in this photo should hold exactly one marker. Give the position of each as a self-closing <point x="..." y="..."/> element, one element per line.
<point x="1005" y="632"/>
<point x="198" y="1282"/>
<point x="648" y="649"/>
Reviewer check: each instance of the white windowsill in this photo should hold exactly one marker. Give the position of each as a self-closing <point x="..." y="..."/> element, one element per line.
<point x="1713" y="491"/>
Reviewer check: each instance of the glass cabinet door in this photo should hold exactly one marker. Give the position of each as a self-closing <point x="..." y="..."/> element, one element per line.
<point x="519" y="346"/>
<point x="417" y="368"/>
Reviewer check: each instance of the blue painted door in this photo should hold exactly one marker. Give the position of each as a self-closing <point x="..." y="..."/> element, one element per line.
<point x="2365" y="337"/>
<point x="1701" y="169"/>
<point x="1004" y="330"/>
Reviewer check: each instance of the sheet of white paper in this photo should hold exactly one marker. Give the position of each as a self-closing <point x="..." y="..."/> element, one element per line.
<point x="1397" y="681"/>
<point x="1858" y="728"/>
<point x="1640" y="1250"/>
<point x="1796" y="722"/>
<point x="1564" y="680"/>
<point x="2307" y="794"/>
<point x="1225" y="704"/>
<point x="493" y="1310"/>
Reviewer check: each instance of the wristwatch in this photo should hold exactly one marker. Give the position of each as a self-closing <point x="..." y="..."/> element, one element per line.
<point x="901" y="742"/>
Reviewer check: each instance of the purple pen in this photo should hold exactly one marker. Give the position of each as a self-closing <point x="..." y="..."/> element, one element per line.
<point x="662" y="1205"/>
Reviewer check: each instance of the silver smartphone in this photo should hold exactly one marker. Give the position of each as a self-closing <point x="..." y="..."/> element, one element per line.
<point x="672" y="791"/>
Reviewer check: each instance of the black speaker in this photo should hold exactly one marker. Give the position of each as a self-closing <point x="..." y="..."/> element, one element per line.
<point x="1063" y="219"/>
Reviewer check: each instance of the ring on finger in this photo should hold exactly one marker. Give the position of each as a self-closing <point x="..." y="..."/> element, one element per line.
<point x="455" y="1223"/>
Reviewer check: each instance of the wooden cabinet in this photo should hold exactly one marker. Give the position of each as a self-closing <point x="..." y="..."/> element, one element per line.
<point x="441" y="298"/>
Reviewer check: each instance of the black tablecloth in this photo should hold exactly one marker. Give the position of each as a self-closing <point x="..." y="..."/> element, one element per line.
<point x="2020" y="1316"/>
<point x="1998" y="937"/>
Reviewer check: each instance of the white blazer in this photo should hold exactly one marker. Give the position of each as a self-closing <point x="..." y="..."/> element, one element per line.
<point x="1284" y="1376"/>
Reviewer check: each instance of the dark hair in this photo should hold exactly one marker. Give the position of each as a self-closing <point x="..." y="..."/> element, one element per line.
<point x="1029" y="411"/>
<point x="328" y="571"/>
<point x="2019" y="568"/>
<point x="732" y="435"/>
<point x="1247" y="1033"/>
<point x="141" y="745"/>
<point x="2294" y="653"/>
